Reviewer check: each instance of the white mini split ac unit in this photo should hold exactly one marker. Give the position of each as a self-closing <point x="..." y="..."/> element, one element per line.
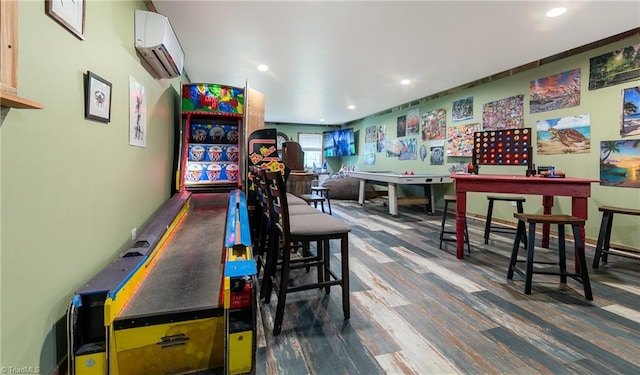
<point x="157" y="44"/>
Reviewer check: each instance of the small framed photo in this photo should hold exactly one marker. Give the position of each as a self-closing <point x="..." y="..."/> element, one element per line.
<point x="68" y="13"/>
<point x="97" y="93"/>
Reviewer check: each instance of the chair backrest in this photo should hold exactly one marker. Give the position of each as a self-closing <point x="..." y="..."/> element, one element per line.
<point x="264" y="195"/>
<point x="279" y="205"/>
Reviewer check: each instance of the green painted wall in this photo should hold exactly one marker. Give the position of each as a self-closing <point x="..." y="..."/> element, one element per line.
<point x="72" y="189"/>
<point x="604" y="106"/>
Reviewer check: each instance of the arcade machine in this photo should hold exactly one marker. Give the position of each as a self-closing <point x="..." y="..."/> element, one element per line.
<point x="181" y="298"/>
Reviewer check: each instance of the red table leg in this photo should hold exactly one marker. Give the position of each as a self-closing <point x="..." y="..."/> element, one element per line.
<point x="461" y="212"/>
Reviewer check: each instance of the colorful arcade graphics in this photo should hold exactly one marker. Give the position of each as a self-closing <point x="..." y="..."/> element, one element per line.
<point x="502" y="147"/>
<point x="212" y="127"/>
<point x="212" y="154"/>
<point x="263" y="152"/>
<point x="212" y="98"/>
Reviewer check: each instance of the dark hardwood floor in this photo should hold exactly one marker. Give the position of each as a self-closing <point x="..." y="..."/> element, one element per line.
<point x="416" y="309"/>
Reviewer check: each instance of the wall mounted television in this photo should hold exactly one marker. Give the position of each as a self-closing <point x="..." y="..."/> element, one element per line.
<point x="339" y="142"/>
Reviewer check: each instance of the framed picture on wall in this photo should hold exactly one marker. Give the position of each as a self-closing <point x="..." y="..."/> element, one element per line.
<point x="97" y="96"/>
<point x="68" y="13"/>
<point x="137" y="114"/>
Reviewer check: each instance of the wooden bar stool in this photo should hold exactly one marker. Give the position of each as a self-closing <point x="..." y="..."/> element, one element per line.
<point x="323" y="192"/>
<point x="603" y="246"/>
<point x="313" y="199"/>
<point x="502" y="229"/>
<point x="560" y="220"/>
<point x="444" y="232"/>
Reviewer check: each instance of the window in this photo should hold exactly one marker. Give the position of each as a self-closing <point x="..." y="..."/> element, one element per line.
<point x="311" y="144"/>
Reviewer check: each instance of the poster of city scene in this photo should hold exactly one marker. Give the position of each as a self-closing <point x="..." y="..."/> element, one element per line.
<point x="564" y="135"/>
<point x="620" y="163"/>
<point x="630" y="112"/>
<point x="507" y="113"/>
<point x="613" y="68"/>
<point x="555" y="92"/>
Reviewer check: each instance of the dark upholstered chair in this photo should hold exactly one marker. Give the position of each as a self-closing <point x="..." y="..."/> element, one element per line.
<point x="292" y="229"/>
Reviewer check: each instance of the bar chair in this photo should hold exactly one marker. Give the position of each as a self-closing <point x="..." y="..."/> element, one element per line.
<point x="323" y="192"/>
<point x="560" y="220"/>
<point x="489" y="227"/>
<point x="449" y="235"/>
<point x="302" y="228"/>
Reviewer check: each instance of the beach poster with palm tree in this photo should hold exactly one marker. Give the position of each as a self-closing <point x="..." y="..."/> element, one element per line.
<point x="630" y="112"/>
<point x="620" y="163"/>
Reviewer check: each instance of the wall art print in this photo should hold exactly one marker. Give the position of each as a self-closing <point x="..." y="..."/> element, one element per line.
<point x="401" y="126"/>
<point x="434" y="125"/>
<point x="620" y="163"/>
<point x="370" y="134"/>
<point x="460" y="140"/>
<point x="556" y="91"/>
<point x="413" y="121"/>
<point x="437" y="154"/>
<point x="393" y="148"/>
<point x="564" y="135"/>
<point x="137" y="114"/>
<point x="382" y="136"/>
<point x="462" y="110"/>
<point x="507" y="113"/>
<point x="630" y="112"/>
<point x="423" y="152"/>
<point x="613" y="68"/>
<point x="369" y="154"/>
<point x="408" y="150"/>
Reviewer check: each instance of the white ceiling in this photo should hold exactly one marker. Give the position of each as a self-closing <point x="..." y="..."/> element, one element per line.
<point x="326" y="55"/>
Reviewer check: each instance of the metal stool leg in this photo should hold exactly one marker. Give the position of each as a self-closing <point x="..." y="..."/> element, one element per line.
<point x="487" y="227"/>
<point x="444" y="219"/>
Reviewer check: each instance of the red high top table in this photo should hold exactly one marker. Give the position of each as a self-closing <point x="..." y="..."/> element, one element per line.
<point x="579" y="189"/>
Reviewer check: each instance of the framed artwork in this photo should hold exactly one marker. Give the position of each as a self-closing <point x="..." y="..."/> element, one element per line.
<point x="137" y="114"/>
<point x="507" y="113"/>
<point x="97" y="98"/>
<point x="68" y="13"/>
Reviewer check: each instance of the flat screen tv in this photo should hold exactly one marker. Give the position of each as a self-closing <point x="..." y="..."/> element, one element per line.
<point x="340" y="142"/>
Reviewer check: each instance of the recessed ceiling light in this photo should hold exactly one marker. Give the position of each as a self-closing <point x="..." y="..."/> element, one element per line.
<point x="322" y="120"/>
<point x="405" y="82"/>
<point x="352" y="107"/>
<point x="555" y="12"/>
<point x="263" y="68"/>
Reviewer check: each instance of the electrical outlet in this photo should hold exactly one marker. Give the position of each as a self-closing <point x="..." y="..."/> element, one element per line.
<point x="513" y="204"/>
<point x="134" y="233"/>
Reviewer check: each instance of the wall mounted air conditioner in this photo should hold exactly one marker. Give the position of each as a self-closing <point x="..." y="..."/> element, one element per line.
<point x="157" y="44"/>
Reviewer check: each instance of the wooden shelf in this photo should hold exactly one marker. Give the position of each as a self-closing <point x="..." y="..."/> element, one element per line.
<point x="12" y="101"/>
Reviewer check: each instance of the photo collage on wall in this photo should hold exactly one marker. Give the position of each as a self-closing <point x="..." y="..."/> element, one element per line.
<point x="556" y="135"/>
<point x="505" y="113"/>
